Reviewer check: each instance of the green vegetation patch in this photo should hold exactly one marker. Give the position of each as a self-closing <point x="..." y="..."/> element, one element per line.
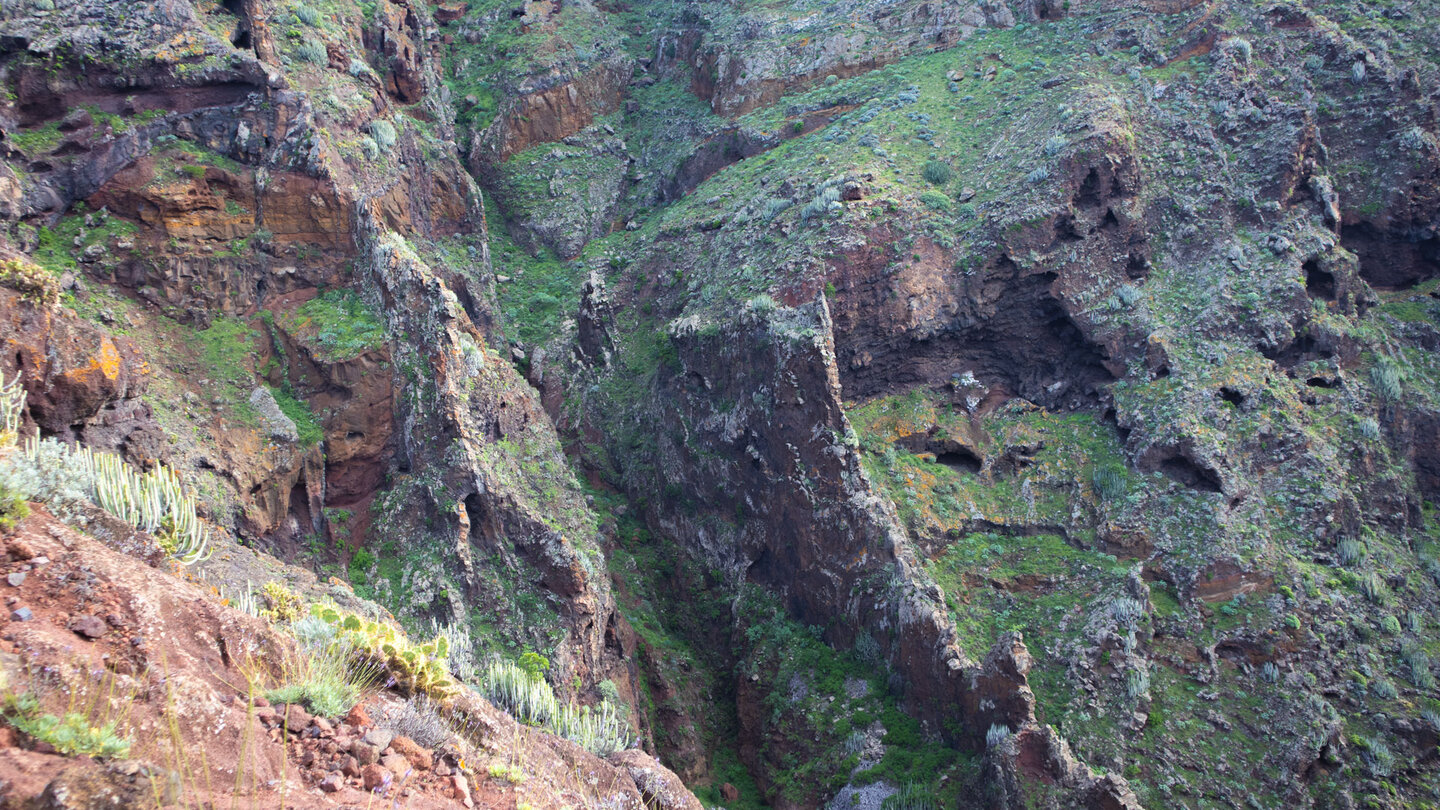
<point x="338" y="324"/>
<point x="540" y="289"/>
<point x="822" y="704"/>
<point x="309" y="428"/>
<point x="56" y="248"/>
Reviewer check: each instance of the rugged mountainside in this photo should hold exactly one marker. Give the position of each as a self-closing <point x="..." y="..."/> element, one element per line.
<point x="992" y="404"/>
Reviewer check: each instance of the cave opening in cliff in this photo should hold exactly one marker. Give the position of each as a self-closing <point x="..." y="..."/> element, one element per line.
<point x="240" y="37"/>
<point x="1177" y="465"/>
<point x="1318" y="282"/>
<point x="1394" y="259"/>
<point x="959" y="460"/>
<point x="1020" y="341"/>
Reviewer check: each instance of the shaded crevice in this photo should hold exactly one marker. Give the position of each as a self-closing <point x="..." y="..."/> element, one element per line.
<point x="1177" y="464"/>
<point x="1137" y="267"/>
<point x="1005" y="328"/>
<point x="960" y="460"/>
<point x="1395" y="258"/>
<point x="1319" y="283"/>
<point x="1288" y="355"/>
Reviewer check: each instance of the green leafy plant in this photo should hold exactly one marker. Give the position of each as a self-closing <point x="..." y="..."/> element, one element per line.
<point x="71" y="735"/>
<point x="13" y="508"/>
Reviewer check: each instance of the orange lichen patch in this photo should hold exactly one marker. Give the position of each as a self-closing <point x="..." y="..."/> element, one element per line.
<point x="108" y="360"/>
<point x="182" y="46"/>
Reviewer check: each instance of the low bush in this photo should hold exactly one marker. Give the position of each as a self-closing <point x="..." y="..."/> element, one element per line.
<point x="937" y="172"/>
<point x="312" y="51"/>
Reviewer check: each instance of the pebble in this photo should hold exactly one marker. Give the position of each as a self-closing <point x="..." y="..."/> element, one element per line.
<point x="16" y="579"/>
<point x="21" y="615"/>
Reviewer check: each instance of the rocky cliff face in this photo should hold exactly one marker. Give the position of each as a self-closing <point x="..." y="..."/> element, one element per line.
<point x="976" y="401"/>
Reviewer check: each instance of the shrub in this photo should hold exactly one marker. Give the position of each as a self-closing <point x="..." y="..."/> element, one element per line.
<point x="1137" y="683"/>
<point x="1386" y="378"/>
<point x="937" y="172"/>
<point x="1374" y="588"/>
<point x="1240" y="48"/>
<point x="867" y="649"/>
<point x="1270" y="673"/>
<point x="826" y="197"/>
<point x="935" y="201"/>
<point x="1384" y="689"/>
<point x="997" y="734"/>
<point x="384" y="134"/>
<point x="1109" y="481"/>
<point x="1350" y="551"/>
<point x="763" y="304"/>
<point x="419" y="719"/>
<point x="312" y="51"/>
<point x="1370" y="429"/>
<point x="1377" y="757"/>
<point x="1418" y="661"/>
<point x="358" y="68"/>
<point x="1357" y="72"/>
<point x="1128" y="612"/>
<point x="1055" y="145"/>
<point x="312" y="633"/>
<point x="72" y="735"/>
<point x="1390" y="625"/>
<point x="528" y="698"/>
<point x="1414" y="622"/>
<point x="307" y="15"/>
<point x="34" y="283"/>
